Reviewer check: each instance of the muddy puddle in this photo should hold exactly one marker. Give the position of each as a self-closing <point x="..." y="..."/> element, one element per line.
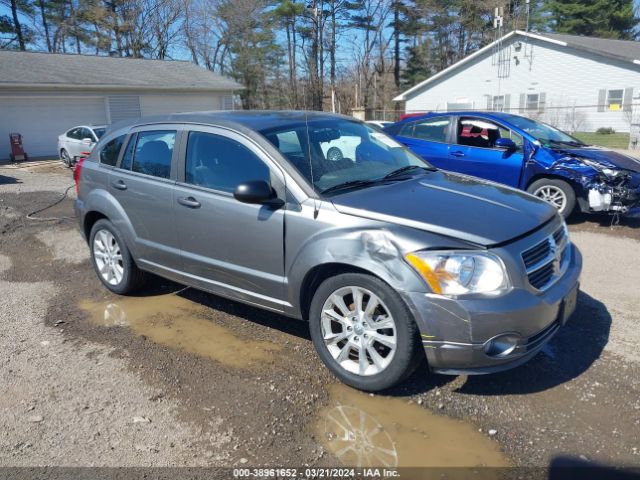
<point x="181" y="324"/>
<point x="377" y="431"/>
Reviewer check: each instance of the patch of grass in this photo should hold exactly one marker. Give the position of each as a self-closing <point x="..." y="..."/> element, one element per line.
<point x="613" y="140"/>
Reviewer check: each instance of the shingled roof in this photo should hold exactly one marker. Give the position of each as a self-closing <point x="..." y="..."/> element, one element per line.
<point x="31" y="69"/>
<point x="620" y="49"/>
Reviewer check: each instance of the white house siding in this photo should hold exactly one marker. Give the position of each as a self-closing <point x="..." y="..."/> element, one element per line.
<point x="41" y="118"/>
<point x="165" y="104"/>
<point x="570" y="81"/>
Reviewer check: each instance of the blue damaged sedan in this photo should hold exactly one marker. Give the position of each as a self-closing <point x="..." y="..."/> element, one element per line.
<point x="526" y="154"/>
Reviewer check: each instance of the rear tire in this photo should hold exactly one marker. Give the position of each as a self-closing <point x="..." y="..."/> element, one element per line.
<point x="370" y="350"/>
<point x="556" y="192"/>
<point x="112" y="260"/>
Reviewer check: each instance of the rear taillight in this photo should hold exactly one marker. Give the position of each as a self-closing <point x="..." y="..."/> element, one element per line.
<point x="77" y="171"/>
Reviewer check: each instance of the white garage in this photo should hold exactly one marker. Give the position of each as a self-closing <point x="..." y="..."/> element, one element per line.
<point x="40" y="119"/>
<point x="42" y="95"/>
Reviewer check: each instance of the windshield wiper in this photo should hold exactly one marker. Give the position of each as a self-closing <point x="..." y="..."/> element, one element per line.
<point x="349" y="184"/>
<point x="405" y="169"/>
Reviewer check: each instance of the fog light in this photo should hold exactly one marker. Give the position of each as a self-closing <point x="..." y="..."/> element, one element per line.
<point x="502" y="345"/>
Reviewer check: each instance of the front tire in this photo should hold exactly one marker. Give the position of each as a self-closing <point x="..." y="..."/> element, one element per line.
<point x="364" y="332"/>
<point x="112" y="260"/>
<point x="66" y="159"/>
<point x="556" y="192"/>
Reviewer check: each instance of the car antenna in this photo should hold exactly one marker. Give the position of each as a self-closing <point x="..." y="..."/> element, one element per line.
<point x="316" y="205"/>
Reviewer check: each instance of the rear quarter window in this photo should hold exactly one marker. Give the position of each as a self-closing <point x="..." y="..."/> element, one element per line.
<point x="111" y="150"/>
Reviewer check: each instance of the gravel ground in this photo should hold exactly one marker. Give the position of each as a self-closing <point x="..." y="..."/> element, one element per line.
<point x="81" y="392"/>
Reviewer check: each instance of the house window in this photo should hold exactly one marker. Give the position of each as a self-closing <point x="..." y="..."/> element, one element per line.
<point x="614" y="99"/>
<point x="498" y="103"/>
<point x="533" y="101"/>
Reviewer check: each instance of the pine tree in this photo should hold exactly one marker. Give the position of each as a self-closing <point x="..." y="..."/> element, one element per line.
<point x="597" y="18"/>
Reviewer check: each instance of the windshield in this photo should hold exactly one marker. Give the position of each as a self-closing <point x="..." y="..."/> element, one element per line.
<point x="337" y="152"/>
<point x="545" y="134"/>
<point x="99" y="132"/>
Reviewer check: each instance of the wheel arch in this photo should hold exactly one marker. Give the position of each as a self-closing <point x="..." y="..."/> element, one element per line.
<point x="552" y="176"/>
<point x="90" y="220"/>
<point x="319" y="274"/>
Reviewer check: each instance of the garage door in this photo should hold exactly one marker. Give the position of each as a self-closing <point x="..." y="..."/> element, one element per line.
<point x="165" y="104"/>
<point x="41" y="119"/>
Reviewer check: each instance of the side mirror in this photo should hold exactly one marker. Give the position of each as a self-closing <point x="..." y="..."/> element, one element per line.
<point x="255" y="191"/>
<point x="506" y="144"/>
<point x="87" y="141"/>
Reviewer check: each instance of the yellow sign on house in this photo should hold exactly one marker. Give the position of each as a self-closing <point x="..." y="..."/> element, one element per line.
<point x="614" y="106"/>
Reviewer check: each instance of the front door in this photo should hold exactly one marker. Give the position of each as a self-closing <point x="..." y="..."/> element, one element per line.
<point x="229" y="247"/>
<point x="474" y="152"/>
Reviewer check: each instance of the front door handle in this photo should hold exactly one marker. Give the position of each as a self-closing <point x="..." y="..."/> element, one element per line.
<point x="189" y="202"/>
<point x="457" y="153"/>
<point x="120" y="185"/>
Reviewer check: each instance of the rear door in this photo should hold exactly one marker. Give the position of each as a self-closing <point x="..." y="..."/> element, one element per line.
<point x="429" y="139"/>
<point x="474" y="152"/>
<point x="229" y="247"/>
<point x="143" y="184"/>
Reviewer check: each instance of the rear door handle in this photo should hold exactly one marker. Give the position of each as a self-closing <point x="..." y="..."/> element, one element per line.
<point x="120" y="185"/>
<point x="457" y="153"/>
<point x="189" y="202"/>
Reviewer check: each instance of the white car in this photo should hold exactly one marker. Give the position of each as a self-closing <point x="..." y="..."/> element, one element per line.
<point x="77" y="141"/>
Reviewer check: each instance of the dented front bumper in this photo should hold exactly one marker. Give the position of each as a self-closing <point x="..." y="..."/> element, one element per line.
<point x="457" y="334"/>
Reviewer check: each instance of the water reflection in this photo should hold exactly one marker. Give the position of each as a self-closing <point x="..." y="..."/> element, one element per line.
<point x="377" y="431"/>
<point x="184" y="325"/>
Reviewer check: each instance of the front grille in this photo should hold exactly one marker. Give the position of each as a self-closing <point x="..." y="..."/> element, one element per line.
<point x="536" y="254"/>
<point x="546" y="260"/>
<point x="542" y="276"/>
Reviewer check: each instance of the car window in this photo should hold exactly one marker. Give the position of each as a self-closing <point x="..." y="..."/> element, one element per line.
<point x="221" y="163"/>
<point x="74" y="133"/>
<point x="341" y="151"/>
<point x="99" y="132"/>
<point x="287" y="142"/>
<point x="127" y="157"/>
<point x="481" y="133"/>
<point x="432" y="130"/>
<point x="341" y="148"/>
<point x="153" y="152"/>
<point x="111" y="150"/>
<point x="85" y="133"/>
<point x="506" y="133"/>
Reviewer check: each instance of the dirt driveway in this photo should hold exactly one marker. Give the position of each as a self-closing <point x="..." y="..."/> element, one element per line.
<point x="179" y="377"/>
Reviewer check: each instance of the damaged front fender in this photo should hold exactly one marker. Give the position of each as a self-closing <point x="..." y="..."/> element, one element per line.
<point x="600" y="186"/>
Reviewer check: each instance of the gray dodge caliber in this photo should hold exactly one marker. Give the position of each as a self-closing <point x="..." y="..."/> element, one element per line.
<point x="321" y="217"/>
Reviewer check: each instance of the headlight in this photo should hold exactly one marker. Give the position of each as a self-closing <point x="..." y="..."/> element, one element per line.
<point x="460" y="273"/>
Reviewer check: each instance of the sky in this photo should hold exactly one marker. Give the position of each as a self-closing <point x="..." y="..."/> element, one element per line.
<point x="182" y="54"/>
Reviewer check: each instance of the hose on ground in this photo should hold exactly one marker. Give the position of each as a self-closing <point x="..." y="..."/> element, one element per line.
<point x="31" y="216"/>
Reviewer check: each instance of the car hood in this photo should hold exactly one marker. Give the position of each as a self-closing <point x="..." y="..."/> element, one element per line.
<point x="459" y="206"/>
<point x="607" y="158"/>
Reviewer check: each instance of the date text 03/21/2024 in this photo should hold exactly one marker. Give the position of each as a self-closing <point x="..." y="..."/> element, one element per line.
<point x="315" y="473"/>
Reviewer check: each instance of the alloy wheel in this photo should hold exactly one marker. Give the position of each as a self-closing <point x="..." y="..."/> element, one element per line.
<point x="108" y="257"/>
<point x="66" y="159"/>
<point x="358" y="330"/>
<point x="552" y="194"/>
